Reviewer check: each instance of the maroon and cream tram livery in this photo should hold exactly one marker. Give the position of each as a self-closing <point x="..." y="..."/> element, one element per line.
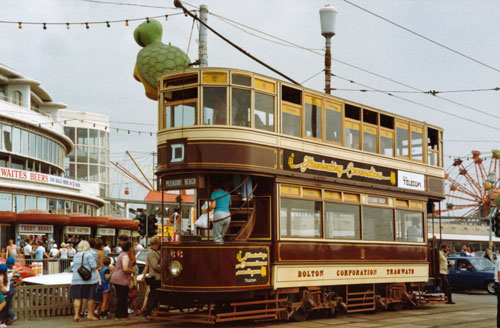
<point x="330" y="200"/>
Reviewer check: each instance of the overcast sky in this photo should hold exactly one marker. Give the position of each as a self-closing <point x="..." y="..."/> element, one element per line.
<point x="91" y="70"/>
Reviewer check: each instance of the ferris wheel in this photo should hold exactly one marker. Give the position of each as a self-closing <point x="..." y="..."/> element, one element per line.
<point x="470" y="184"/>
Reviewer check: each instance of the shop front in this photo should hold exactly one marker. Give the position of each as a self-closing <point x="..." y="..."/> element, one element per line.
<point x="75" y="234"/>
<point x="35" y="232"/>
<point x="107" y="235"/>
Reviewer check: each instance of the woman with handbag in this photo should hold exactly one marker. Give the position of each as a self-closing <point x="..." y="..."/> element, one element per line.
<point x="121" y="279"/>
<point x="84" y="280"/>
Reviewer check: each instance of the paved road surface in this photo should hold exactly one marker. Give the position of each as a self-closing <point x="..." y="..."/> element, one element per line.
<point x="473" y="310"/>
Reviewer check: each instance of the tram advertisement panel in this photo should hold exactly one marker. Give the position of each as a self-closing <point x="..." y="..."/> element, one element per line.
<point x="252" y="266"/>
<point x="338" y="168"/>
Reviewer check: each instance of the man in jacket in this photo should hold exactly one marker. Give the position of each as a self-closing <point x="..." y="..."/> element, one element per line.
<point x="443" y="271"/>
<point x="153" y="276"/>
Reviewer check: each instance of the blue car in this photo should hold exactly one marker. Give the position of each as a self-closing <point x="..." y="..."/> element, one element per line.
<point x="471" y="273"/>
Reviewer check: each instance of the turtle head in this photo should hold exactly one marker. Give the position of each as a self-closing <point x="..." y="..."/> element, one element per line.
<point x="148" y="33"/>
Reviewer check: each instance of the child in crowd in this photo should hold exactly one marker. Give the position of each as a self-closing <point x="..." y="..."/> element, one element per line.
<point x="106" y="272"/>
<point x="5" y="286"/>
<point x="15" y="281"/>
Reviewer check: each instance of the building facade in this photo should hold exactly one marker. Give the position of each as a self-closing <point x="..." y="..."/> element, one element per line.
<point x="33" y="148"/>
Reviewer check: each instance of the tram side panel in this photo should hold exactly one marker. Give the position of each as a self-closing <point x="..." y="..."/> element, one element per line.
<point x="324" y="264"/>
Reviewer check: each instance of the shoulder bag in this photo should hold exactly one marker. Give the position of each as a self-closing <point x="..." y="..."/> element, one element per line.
<point x="85" y="273"/>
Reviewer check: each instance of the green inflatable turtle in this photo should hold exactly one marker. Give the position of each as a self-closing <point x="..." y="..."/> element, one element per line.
<point x="156" y="58"/>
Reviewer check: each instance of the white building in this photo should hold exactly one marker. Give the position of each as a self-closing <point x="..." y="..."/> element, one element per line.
<point x="33" y="147"/>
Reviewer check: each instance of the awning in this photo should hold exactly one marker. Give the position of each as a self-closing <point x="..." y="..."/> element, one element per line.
<point x="39" y="216"/>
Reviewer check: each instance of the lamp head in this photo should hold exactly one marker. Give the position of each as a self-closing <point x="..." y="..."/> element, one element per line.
<point x="328" y="17"/>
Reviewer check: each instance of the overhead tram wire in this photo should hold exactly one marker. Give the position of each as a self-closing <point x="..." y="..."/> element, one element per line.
<point x="424" y="37"/>
<point x="227" y="20"/>
<point x="178" y="4"/>
<point x="419" y="104"/>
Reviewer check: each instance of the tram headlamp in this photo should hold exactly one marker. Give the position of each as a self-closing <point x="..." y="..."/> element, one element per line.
<point x="175" y="268"/>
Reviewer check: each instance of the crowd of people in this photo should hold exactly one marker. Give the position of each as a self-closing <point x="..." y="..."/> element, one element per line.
<point x="95" y="280"/>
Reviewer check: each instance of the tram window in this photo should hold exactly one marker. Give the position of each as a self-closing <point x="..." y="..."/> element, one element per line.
<point x="291" y="120"/>
<point x="378" y="223"/>
<point x="416" y="143"/>
<point x="387" y="121"/>
<point x="242" y="80"/>
<point x="300" y="218"/>
<point x="409" y="226"/>
<point x="386" y="142"/>
<point x="370" y="139"/>
<point x="353" y="112"/>
<point x="171" y="96"/>
<point x="402" y="141"/>
<point x="342" y="221"/>
<point x="180" y="115"/>
<point x="351" y="138"/>
<point x="214" y="105"/>
<point x="240" y="108"/>
<point x="370" y="116"/>
<point x="313" y="117"/>
<point x="291" y="95"/>
<point x="183" y="80"/>
<point x="333" y="119"/>
<point x="264" y="112"/>
<point x="432" y="145"/>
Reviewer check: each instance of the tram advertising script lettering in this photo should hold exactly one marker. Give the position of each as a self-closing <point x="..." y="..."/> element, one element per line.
<point x="338" y="168"/>
<point x="252" y="266"/>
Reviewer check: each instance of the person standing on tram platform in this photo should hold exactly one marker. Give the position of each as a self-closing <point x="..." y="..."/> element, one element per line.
<point x="443" y="271"/>
<point x="220" y="203"/>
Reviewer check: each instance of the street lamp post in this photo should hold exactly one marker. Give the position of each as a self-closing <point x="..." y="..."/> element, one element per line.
<point x="328" y="17"/>
<point x="491" y="181"/>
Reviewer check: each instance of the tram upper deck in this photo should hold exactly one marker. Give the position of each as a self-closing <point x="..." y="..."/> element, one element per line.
<point x="270" y="126"/>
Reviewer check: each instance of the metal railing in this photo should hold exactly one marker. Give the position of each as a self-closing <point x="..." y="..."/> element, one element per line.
<point x="46" y="266"/>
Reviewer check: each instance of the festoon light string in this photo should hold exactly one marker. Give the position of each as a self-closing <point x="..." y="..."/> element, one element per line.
<point x="93" y="124"/>
<point x="87" y="24"/>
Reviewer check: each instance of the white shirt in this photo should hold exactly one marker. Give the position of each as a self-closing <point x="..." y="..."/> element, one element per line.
<point x="54" y="252"/>
<point x="497" y="268"/>
<point x="138" y="248"/>
<point x="28" y="249"/>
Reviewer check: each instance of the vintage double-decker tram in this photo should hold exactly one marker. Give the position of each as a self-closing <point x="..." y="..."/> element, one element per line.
<point x="338" y="217"/>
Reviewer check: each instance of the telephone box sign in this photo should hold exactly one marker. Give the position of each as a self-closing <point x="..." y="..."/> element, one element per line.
<point x="106" y="231"/>
<point x="73" y="230"/>
<point x="410" y="180"/>
<point x="35" y="228"/>
<point x="338" y="168"/>
<point x="124" y="232"/>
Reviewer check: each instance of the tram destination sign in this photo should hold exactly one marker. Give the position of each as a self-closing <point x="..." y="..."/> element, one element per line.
<point x="181" y="182"/>
<point x="338" y="168"/>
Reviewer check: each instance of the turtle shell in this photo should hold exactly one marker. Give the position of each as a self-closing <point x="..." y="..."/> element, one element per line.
<point x="158" y="58"/>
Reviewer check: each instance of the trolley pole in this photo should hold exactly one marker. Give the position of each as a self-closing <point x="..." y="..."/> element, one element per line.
<point x="202" y="47"/>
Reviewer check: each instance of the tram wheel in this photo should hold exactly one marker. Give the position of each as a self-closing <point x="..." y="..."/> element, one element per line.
<point x="301" y="315"/>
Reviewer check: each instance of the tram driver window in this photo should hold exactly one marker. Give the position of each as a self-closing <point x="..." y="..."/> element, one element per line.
<point x="378" y="223"/>
<point x="214" y="105"/>
<point x="432" y="145"/>
<point x="342" y="221"/>
<point x="180" y="108"/>
<point x="409" y="226"/>
<point x="300" y="218"/>
<point x="240" y="108"/>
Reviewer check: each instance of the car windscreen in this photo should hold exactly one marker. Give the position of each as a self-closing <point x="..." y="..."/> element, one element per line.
<point x="482" y="264"/>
